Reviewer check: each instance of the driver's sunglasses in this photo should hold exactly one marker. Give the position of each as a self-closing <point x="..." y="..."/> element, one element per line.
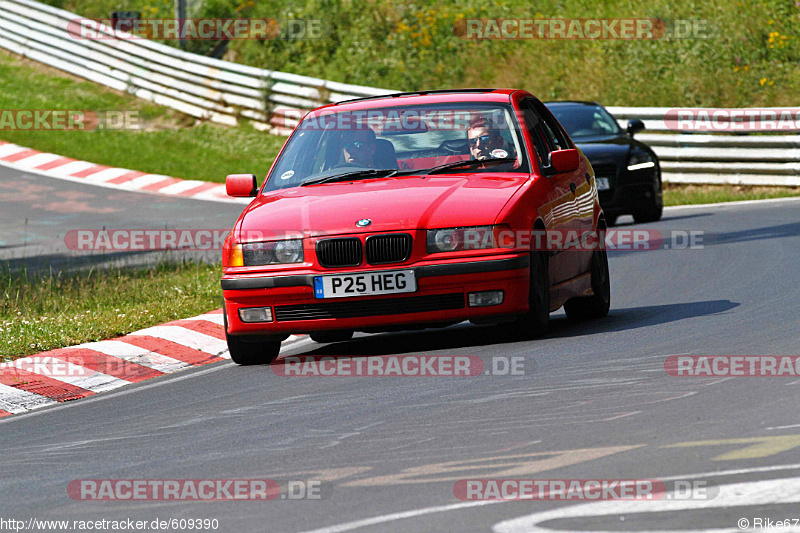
<point x="357" y="145"/>
<point x="484" y="139"/>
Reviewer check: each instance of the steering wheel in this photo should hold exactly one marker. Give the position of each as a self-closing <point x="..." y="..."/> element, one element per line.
<point x="454" y="147"/>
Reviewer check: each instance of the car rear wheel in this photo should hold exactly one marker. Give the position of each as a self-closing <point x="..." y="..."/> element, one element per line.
<point x="597" y="305"/>
<point x="535" y="322"/>
<point x="323" y="337"/>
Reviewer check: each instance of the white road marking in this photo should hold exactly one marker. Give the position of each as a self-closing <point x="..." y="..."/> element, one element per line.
<point x="135" y="354"/>
<point x="349" y="526"/>
<point x="141" y="182"/>
<point x="79" y="376"/>
<point x="71" y="168"/>
<point x="186" y="337"/>
<point x="16" y="400"/>
<point x="9" y="149"/>
<point x="182" y="186"/>
<point x="747" y="493"/>
<point x="785" y="427"/>
<point x="106" y="175"/>
<point x="216" y="318"/>
<point x="39" y="159"/>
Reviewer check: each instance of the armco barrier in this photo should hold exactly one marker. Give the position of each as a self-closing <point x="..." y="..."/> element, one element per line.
<point x="224" y="92"/>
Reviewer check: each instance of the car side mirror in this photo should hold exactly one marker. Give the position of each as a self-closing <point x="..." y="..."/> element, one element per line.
<point x="635" y="125"/>
<point x="565" y="160"/>
<point x="241" y="185"/>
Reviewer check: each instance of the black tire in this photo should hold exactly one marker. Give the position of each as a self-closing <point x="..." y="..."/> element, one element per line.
<point x="653" y="207"/>
<point x="250" y="352"/>
<point x="535" y="322"/>
<point x="597" y="305"/>
<point x="324" y="337"/>
<point x="244" y="352"/>
<point x="651" y="213"/>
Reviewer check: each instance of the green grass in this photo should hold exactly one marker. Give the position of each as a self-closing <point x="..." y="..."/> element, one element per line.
<point x="44" y="312"/>
<point x="174" y="145"/>
<point x="677" y="194"/>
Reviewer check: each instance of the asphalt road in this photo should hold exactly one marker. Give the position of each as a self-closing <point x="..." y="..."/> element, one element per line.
<point x="36" y="212"/>
<point x="593" y="402"/>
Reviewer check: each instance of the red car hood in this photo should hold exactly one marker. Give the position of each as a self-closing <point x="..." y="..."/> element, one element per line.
<point x="403" y="203"/>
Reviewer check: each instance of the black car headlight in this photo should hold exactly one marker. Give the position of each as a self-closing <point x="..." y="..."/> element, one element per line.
<point x="456" y="239"/>
<point x="273" y="252"/>
<point x="639" y="160"/>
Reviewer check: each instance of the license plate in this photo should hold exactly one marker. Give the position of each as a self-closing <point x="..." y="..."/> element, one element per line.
<point x="365" y="284"/>
<point x="602" y="184"/>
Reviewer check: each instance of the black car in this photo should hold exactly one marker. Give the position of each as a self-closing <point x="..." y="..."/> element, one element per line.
<point x="627" y="172"/>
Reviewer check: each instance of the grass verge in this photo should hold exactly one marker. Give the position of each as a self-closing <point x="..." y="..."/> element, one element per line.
<point x="686" y="194"/>
<point x="44" y="312"/>
<point x="173" y="144"/>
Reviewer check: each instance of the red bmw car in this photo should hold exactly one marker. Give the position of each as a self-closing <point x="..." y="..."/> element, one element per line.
<point x="414" y="210"/>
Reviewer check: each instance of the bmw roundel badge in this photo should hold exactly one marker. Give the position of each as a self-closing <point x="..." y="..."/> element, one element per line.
<point x="363" y="222"/>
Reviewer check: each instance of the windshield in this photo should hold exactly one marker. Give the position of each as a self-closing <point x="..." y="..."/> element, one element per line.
<point x="408" y="139"/>
<point x="584" y="120"/>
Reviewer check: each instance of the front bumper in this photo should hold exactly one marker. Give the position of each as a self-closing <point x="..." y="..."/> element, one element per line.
<point x="629" y="190"/>
<point x="441" y="297"/>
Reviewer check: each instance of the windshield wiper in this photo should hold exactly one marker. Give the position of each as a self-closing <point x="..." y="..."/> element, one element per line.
<point x="469" y="163"/>
<point x="357" y="174"/>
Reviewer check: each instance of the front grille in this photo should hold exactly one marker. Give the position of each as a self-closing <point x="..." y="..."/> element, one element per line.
<point x="394" y="248"/>
<point x="378" y="307"/>
<point x="339" y="252"/>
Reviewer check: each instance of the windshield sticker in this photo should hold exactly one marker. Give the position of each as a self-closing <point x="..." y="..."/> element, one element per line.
<point x="498" y="153"/>
<point x="288" y="174"/>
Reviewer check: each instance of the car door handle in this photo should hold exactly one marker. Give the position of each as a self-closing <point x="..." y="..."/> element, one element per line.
<point x="572" y="187"/>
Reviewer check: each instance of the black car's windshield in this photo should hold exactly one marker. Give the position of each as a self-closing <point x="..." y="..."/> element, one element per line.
<point x="582" y="120"/>
<point x="332" y="144"/>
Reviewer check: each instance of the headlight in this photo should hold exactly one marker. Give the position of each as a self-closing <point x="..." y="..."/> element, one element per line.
<point x="640" y="160"/>
<point x="273" y="252"/>
<point x="456" y="239"/>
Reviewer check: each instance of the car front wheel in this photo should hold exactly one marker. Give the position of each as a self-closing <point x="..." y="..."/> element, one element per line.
<point x="244" y="352"/>
<point x="535" y="322"/>
<point x="250" y="352"/>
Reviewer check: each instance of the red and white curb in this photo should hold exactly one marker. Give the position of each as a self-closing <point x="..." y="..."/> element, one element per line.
<point x="84" y="370"/>
<point x="66" y="168"/>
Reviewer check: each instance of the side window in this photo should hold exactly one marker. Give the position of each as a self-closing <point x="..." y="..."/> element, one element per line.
<point x="560" y="137"/>
<point x="533" y="123"/>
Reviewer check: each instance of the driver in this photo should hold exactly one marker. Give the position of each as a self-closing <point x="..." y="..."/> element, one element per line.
<point x="359" y="148"/>
<point x="485" y="141"/>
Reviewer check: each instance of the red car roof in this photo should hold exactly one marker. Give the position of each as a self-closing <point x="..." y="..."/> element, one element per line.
<point x="490" y="95"/>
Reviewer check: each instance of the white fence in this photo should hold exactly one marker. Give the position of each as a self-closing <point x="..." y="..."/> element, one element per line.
<point x="224" y="92"/>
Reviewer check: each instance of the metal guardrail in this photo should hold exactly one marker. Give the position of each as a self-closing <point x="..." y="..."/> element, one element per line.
<point x="203" y="87"/>
<point x="701" y="157"/>
<point x="224" y="92"/>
